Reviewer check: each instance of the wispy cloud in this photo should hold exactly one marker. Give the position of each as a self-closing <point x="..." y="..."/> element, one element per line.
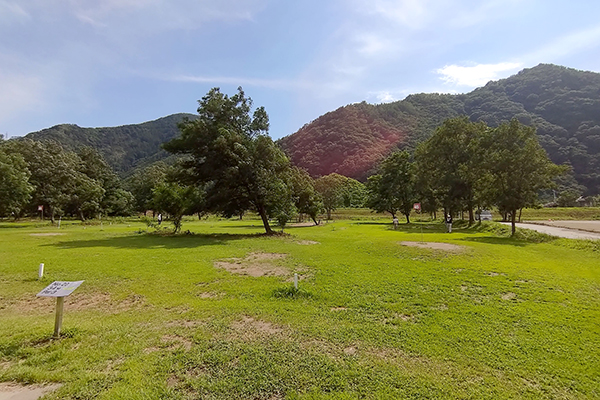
<point x="277" y="84"/>
<point x="11" y="12"/>
<point x="408" y="13"/>
<point x="476" y="75"/>
<point x="164" y="14"/>
<point x="572" y="43"/>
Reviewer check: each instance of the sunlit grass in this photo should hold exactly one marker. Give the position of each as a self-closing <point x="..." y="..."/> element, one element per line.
<point x="503" y="318"/>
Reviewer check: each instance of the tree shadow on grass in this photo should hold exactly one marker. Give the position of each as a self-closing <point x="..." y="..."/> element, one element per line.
<point x="145" y="241"/>
<point x="498" y="240"/>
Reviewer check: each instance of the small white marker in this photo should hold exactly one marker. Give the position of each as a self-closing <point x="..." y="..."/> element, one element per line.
<point x="296" y="281"/>
<point x="41" y="271"/>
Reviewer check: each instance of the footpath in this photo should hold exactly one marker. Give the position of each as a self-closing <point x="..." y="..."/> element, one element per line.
<point x="564" y="229"/>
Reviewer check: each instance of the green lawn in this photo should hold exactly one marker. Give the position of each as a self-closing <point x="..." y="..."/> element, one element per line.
<point x="155" y="319"/>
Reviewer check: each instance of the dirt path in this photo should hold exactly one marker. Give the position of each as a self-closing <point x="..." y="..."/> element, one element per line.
<point x="564" y="232"/>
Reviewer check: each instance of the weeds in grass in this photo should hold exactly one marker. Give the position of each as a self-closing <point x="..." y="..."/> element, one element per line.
<point x="291" y="292"/>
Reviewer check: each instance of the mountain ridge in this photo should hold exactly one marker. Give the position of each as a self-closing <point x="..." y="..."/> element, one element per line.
<point x="562" y="103"/>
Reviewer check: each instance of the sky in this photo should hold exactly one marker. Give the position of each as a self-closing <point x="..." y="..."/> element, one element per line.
<point x="115" y="62"/>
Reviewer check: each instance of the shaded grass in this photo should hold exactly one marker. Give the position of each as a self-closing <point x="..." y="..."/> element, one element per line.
<point x="507" y="318"/>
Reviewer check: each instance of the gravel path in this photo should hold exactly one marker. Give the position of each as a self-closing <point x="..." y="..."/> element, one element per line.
<point x="559" y="231"/>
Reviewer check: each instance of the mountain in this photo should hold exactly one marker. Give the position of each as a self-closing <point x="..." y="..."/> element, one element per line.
<point x="123" y="147"/>
<point x="562" y="103"/>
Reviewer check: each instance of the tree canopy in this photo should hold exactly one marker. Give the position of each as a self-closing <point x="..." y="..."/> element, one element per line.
<point x="228" y="151"/>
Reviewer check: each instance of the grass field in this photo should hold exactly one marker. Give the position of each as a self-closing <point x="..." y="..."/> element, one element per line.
<point x="164" y="317"/>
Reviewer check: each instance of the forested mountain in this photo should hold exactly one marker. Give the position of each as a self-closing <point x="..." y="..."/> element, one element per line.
<point x="562" y="103"/>
<point x="123" y="147"/>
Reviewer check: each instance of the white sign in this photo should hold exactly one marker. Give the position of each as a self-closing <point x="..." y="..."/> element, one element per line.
<point x="59" y="289"/>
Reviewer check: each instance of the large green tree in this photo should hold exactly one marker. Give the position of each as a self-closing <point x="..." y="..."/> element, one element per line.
<point x="516" y="167"/>
<point x="393" y="188"/>
<point x="448" y="163"/>
<point x="228" y="150"/>
<point x="15" y="190"/>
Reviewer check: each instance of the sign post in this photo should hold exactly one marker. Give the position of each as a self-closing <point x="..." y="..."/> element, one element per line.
<point x="60" y="290"/>
<point x="417" y="208"/>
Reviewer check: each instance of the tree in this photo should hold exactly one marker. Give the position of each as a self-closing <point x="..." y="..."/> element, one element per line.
<point x="331" y="188"/>
<point x="143" y="182"/>
<point x="114" y="200"/>
<point x="55" y="174"/>
<point x="176" y="200"/>
<point x="15" y="190"/>
<point x="306" y="198"/>
<point x="517" y="167"/>
<point x="393" y="189"/>
<point x="230" y="152"/>
<point x="449" y="162"/>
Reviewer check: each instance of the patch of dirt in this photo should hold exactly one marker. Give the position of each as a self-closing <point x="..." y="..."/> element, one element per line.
<point x="15" y="391"/>
<point x="307" y="242"/>
<point x="435" y="246"/>
<point x="300" y="224"/>
<point x="75" y="302"/>
<point x="255" y="264"/>
<point x="185" y="324"/>
<point x="250" y="329"/>
<point x="509" y="296"/>
<point x="495" y="274"/>
<point x="175" y="342"/>
<point x="338" y="309"/>
<point x="46" y="234"/>
<point x="172" y="381"/>
<point x="350" y="351"/>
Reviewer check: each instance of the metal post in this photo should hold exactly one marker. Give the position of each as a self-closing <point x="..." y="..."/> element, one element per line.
<point x="60" y="303"/>
<point x="41" y="271"/>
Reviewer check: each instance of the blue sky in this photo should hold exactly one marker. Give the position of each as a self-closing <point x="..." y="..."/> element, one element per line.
<point x="116" y="62"/>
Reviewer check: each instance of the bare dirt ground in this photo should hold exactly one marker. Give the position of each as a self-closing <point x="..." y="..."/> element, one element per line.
<point x="255" y="264"/>
<point x="434" y="246"/>
<point x="565" y="229"/>
<point x="11" y="391"/>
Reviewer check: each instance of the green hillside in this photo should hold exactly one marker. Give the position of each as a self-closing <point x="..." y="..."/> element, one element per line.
<point x="123" y="147"/>
<point x="562" y="103"/>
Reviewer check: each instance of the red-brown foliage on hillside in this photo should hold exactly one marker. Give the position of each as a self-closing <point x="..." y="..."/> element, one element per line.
<point x="348" y="141"/>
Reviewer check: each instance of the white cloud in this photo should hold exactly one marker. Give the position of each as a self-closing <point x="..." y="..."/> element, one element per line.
<point x="477" y="75"/>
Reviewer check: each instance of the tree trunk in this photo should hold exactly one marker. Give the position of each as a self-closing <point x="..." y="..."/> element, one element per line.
<point x="407" y="218"/>
<point x="51" y="214"/>
<point x="81" y="216"/>
<point x="265" y="220"/>
<point x="471" y="217"/>
<point x="513" y="221"/>
<point x="328" y="214"/>
<point x="520" y="211"/>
